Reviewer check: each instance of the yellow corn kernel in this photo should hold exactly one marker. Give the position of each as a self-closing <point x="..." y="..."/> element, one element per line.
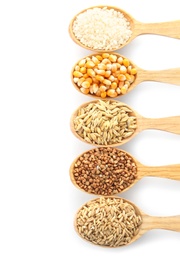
<point x="83" y="70"/>
<point x="80" y="81"/>
<point x="98" y="93"/>
<point x="106" y="82"/>
<point x="133" y="71"/>
<point x="113" y="85"/>
<point x="101" y="66"/>
<point x="91" y="73"/>
<point x="99" y="77"/>
<point x="118" y="90"/>
<point x="121" y="84"/>
<point x="132" y="79"/>
<point x="111" y="78"/>
<point x="95" y="88"/>
<point x="124" y="89"/>
<point x="112" y="58"/>
<point x="89" y="80"/>
<point x="95" y="80"/>
<point x="100" y="72"/>
<point x="102" y="88"/>
<point x="75" y="80"/>
<point x="129" y="68"/>
<point x="90" y="64"/>
<point x="126" y="62"/>
<point x="105" y="55"/>
<point x="121" y="77"/>
<point x="86" y="84"/>
<point x="85" y="90"/>
<point x="111" y="93"/>
<point x="85" y="76"/>
<point x="77" y="68"/>
<point x="114" y="67"/>
<point x="108" y="66"/>
<point x="120" y="60"/>
<point x="106" y="61"/>
<point x="123" y="69"/>
<point x="95" y="60"/>
<point x="82" y="62"/>
<point x="99" y="57"/>
<point x="103" y="94"/>
<point x="126" y="83"/>
<point x="107" y="74"/>
<point x="77" y="74"/>
<point x="128" y="77"/>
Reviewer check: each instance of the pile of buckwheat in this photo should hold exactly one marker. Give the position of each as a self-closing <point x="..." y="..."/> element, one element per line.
<point x="108" y="221"/>
<point x="104" y="171"/>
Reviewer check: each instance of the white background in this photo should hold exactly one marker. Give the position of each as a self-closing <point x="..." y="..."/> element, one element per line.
<point x="37" y="199"/>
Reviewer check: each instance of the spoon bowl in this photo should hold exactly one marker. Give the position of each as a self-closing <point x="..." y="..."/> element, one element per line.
<point x="101" y="123"/>
<point x="125" y="82"/>
<point x="94" y="172"/>
<point x="169" y="29"/>
<point x="93" y="228"/>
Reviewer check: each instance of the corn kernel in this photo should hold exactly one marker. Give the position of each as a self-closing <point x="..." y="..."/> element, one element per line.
<point x="85" y="90"/>
<point x="83" y="70"/>
<point x="77" y="74"/>
<point x="111" y="93"/>
<point x="99" y="57"/>
<point x="77" y="68"/>
<point x="105" y="55"/>
<point x="95" y="60"/>
<point x="98" y="93"/>
<point x="114" y="67"/>
<point x="124" y="89"/>
<point x="120" y="60"/>
<point x="80" y="81"/>
<point x="107" y="74"/>
<point x="111" y="78"/>
<point x="114" y="85"/>
<point x="121" y="77"/>
<point x="100" y="72"/>
<point x="75" y="80"/>
<point x="91" y="73"/>
<point x="102" y="88"/>
<point x="99" y="77"/>
<point x="82" y="62"/>
<point x="126" y="62"/>
<point x="123" y="69"/>
<point x="133" y="71"/>
<point x="85" y="75"/>
<point x="95" y="88"/>
<point x="85" y="84"/>
<point x="112" y="58"/>
<point x="107" y="82"/>
<point x="89" y="80"/>
<point x="90" y="64"/>
<point x="106" y="61"/>
<point x="103" y="94"/>
<point x="101" y="66"/>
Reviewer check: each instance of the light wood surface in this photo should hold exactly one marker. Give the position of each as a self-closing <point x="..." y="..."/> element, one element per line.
<point x="168" y="124"/>
<point x="148" y="222"/>
<point x="166" y="171"/>
<point x="171" y="76"/>
<point x="168" y="29"/>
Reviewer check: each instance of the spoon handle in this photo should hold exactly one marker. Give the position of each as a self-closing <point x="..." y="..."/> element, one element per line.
<point x="169" y="29"/>
<point x="168" y="223"/>
<point x="169" y="124"/>
<point x="171" y="76"/>
<point x="168" y="171"/>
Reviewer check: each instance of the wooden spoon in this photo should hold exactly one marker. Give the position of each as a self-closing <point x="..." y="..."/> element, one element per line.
<point x="169" y="29"/>
<point x="171" y="76"/>
<point x="168" y="171"/>
<point x="148" y="222"/>
<point x="169" y="124"/>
